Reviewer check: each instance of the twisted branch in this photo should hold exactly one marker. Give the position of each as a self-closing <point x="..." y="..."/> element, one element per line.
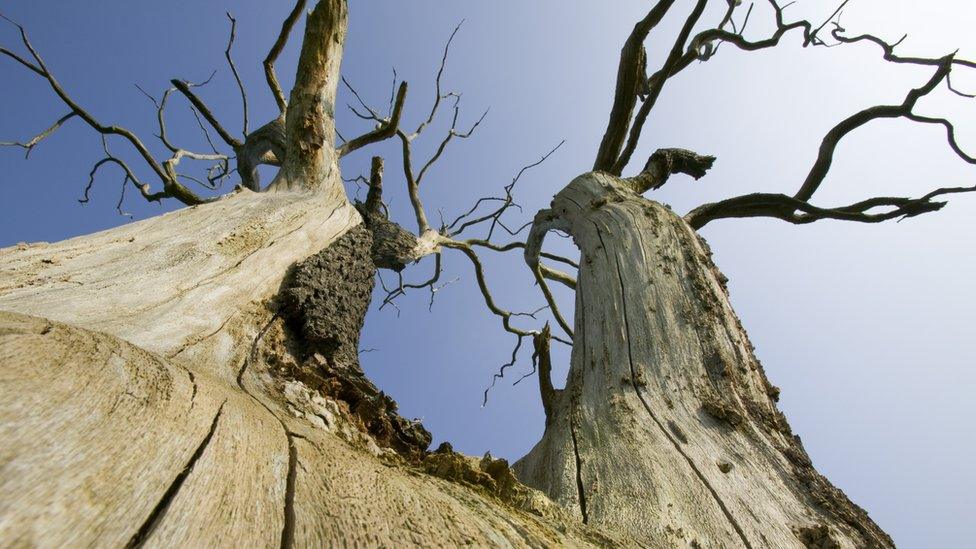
<point x="233" y="68"/>
<point x="797" y="209"/>
<point x="276" y="49"/>
<point x="171" y="186"/>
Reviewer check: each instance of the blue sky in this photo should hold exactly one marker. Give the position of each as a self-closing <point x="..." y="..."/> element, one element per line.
<point x="867" y="329"/>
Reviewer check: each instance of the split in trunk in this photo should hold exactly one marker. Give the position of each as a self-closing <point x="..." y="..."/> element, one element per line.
<point x="667" y="428"/>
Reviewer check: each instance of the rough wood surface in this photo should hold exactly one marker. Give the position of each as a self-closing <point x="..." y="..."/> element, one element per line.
<point x="185" y="284"/>
<point x="667" y="429"/>
<point x="139" y="404"/>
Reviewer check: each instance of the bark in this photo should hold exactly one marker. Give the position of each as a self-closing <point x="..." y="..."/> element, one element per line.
<point x="152" y="394"/>
<point x="667" y="428"/>
<point x="310" y="160"/>
<point x="191" y="380"/>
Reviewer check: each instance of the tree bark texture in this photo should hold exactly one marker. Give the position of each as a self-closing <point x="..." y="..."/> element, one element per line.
<point x="166" y="384"/>
<point x="310" y="160"/>
<point x="667" y="429"/>
<point x="145" y="400"/>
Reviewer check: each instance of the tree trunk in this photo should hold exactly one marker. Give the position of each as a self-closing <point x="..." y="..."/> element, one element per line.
<point x="667" y="428"/>
<point x="149" y="398"/>
<point x="163" y="384"/>
<point x="191" y="381"/>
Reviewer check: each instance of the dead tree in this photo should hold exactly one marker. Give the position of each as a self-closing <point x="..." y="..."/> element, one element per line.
<point x="192" y="379"/>
<point x="667" y="423"/>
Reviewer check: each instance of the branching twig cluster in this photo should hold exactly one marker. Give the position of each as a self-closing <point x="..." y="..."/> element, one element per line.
<point x="263" y="146"/>
<point x="432" y="241"/>
<point x="625" y="127"/>
<point x="164" y="171"/>
<point x="797" y="208"/>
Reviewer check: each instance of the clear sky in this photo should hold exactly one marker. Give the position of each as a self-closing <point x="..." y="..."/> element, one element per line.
<point x="866" y="328"/>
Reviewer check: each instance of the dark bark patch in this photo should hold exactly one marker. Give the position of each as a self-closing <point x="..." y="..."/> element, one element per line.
<point x="721" y="411"/>
<point x="326" y="297"/>
<point x="325" y="301"/>
<point x="393" y="246"/>
<point x="816" y="537"/>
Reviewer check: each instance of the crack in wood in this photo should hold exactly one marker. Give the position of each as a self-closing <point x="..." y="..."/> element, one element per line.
<point x="200" y="339"/>
<point x="162" y="506"/>
<point x="288" y="526"/>
<point x="667" y="435"/>
<point x="252" y="354"/>
<point x="581" y="494"/>
<point x="193" y="381"/>
<point x="579" y="474"/>
<point x="288" y="529"/>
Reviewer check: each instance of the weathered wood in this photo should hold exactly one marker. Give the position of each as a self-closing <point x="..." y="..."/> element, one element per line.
<point x="107" y="444"/>
<point x="668" y="428"/>
<point x="311" y="162"/>
<point x="186" y="284"/>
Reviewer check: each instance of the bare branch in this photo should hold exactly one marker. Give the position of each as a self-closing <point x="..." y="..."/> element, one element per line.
<point x="130" y="176"/>
<point x="233" y="68"/>
<point x="544" y="222"/>
<point x="501" y="371"/>
<point x="519" y="246"/>
<point x="505" y="315"/>
<point x="451" y="134"/>
<point x="785" y="207"/>
<point x="829" y="144"/>
<point x="276" y="49"/>
<point x="387" y="128"/>
<point x="438" y="97"/>
<point x="372" y="114"/>
<point x="185" y="88"/>
<point x="414" y="180"/>
<point x="813" y="35"/>
<point x="508" y="201"/>
<point x="889" y="50"/>
<point x="171" y="186"/>
<point x="393" y="90"/>
<point x="542" y="343"/>
<point x="631" y="77"/>
<point x="401" y="289"/>
<point x="29" y="145"/>
<point x="797" y="209"/>
<point x="21" y="60"/>
<point x="544" y="286"/>
<point x="413" y="189"/>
